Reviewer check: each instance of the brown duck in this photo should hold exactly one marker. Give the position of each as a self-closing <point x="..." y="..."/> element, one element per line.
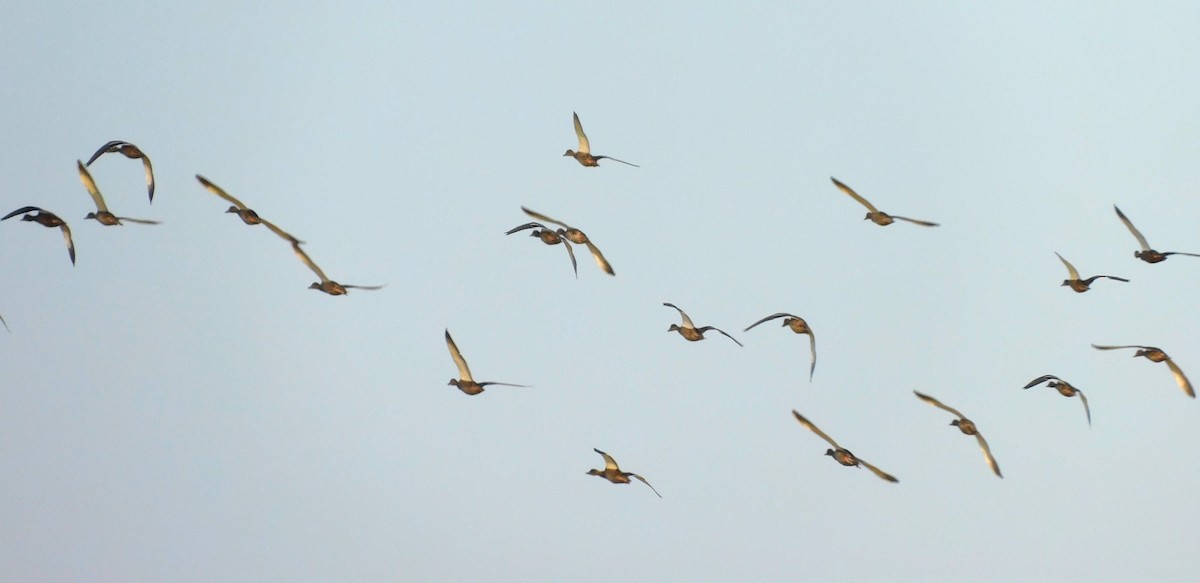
<point x="1065" y="389"/>
<point x="613" y="473"/>
<point x="584" y="155"/>
<point x="875" y="215"/>
<point x="132" y="152"/>
<point x="243" y="212"/>
<point x="1146" y="254"/>
<point x="549" y="237"/>
<point x="1157" y="355"/>
<point x="326" y="285"/>
<point x="102" y="215"/>
<point x="840" y="454"/>
<point x="1082" y="285"/>
<point x="799" y="326"/>
<point x="46" y="218"/>
<point x="967" y="427"/>
<point x="575" y="236"/>
<point x="465" y="383"/>
<point x="689" y="330"/>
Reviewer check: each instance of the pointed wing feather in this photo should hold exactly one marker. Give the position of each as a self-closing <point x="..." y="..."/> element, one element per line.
<point x="987" y="454"/>
<point x="645" y="482"/>
<point x="1102" y="347"/>
<point x="812" y="346"/>
<point x="687" y="322"/>
<point x="599" y="257"/>
<point x="464" y="373"/>
<point x="1086" y="409"/>
<point x="90" y="185"/>
<point x="583" y="141"/>
<point x="66" y="232"/>
<point x="217" y="190"/>
<point x="571" y="252"/>
<point x="149" y="175"/>
<point x="1070" y="268"/>
<point x="878" y="472"/>
<point x="309" y="262"/>
<point x="140" y="221"/>
<point x="616" y="160"/>
<point x="1136" y="233"/>
<point x="1180" y="379"/>
<point x="938" y="404"/>
<point x="1041" y="380"/>
<point x="915" y="221"/>
<point x="707" y="328"/>
<point x="813" y="428"/>
<point x="854" y="195"/>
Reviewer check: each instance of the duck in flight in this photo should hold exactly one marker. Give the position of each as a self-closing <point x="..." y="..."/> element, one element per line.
<point x="799" y="326"/>
<point x="102" y="215"/>
<point x="243" y="212"/>
<point x="575" y="236"/>
<point x="464" y="382"/>
<point x="326" y="285"/>
<point x="613" y="473"/>
<point x="1065" y="389"/>
<point x="1146" y="254"/>
<point x="1082" y="285"/>
<point x="967" y="427"/>
<point x="132" y="152"/>
<point x="548" y="237"/>
<point x="877" y="216"/>
<point x="1157" y="355"/>
<point x="584" y="155"/>
<point x="840" y="454"/>
<point x="46" y="218"/>
<point x="689" y="330"/>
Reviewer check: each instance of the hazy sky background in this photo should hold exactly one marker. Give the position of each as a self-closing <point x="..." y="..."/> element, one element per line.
<point x="178" y="407"/>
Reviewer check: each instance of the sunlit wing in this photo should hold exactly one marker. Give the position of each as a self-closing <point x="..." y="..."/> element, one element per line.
<point x="541" y="217"/>
<point x="149" y="175"/>
<point x="599" y="257"/>
<point x="854" y="195"/>
<point x="90" y="185"/>
<point x="1181" y="380"/>
<point x="309" y="262"/>
<point x="1070" y="268"/>
<point x="464" y="373"/>
<point x="283" y="234"/>
<point x="814" y="429"/>
<point x="584" y="147"/>
<point x="987" y="454"/>
<point x="66" y="232"/>
<point x="1136" y="233"/>
<point x="217" y="190"/>
<point x="609" y="462"/>
<point x="877" y="471"/>
<point x="687" y="322"/>
<point x="938" y="404"/>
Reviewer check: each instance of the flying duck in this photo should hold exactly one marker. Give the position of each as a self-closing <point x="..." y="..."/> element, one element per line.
<point x="465" y="383"/>
<point x="575" y="236"/>
<point x="243" y="212"/>
<point x="967" y="427"/>
<point x="840" y="454"/>
<point x="548" y="237"/>
<point x="877" y="216"/>
<point x="613" y="473"/>
<point x="132" y="152"/>
<point x="584" y="155"/>
<point x="1065" y="389"/>
<point x="799" y="326"/>
<point x="690" y="331"/>
<point x="1157" y="355"/>
<point x="1081" y="285"/>
<point x="46" y="219"/>
<point x="102" y="215"/>
<point x="326" y="285"/>
<point x="1146" y="254"/>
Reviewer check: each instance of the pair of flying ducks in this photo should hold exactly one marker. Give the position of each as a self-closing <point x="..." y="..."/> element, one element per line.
<point x="564" y="235"/>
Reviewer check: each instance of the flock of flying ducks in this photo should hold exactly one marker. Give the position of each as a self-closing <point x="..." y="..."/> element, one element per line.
<point x="567" y="235"/>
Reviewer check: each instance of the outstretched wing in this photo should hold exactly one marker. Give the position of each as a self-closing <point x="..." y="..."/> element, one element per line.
<point x="571" y="252"/>
<point x="1086" y="409"/>
<point x="1103" y="347"/>
<point x="878" y="472"/>
<point x="616" y="160"/>
<point x="541" y="217"/>
<point x="915" y="221"/>
<point x="140" y="221"/>
<point x="584" y="147"/>
<point x="1136" y="233"/>
<point x="987" y="454"/>
<point x="645" y="482"/>
<point x="1070" y="268"/>
<point x="707" y="328"/>
<point x="687" y="322"/>
<point x="609" y="462"/>
<point x="599" y="257"/>
<point x="217" y="190"/>
<point x="938" y="404"/>
<point x="464" y="373"/>
<point x="149" y="175"/>
<point x="813" y="428"/>
<point x="309" y="262"/>
<point x="106" y="148"/>
<point x="346" y="285"/>
<point x="21" y="211"/>
<point x="90" y="185"/>
<point x="283" y="234"/>
<point x="769" y="318"/>
<point x="812" y="347"/>
<point x="1041" y="380"/>
<point x="854" y="195"/>
<point x="66" y="232"/>
<point x="524" y="227"/>
<point x="1180" y="379"/>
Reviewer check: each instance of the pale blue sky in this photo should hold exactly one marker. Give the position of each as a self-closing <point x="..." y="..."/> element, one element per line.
<point x="178" y="407"/>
